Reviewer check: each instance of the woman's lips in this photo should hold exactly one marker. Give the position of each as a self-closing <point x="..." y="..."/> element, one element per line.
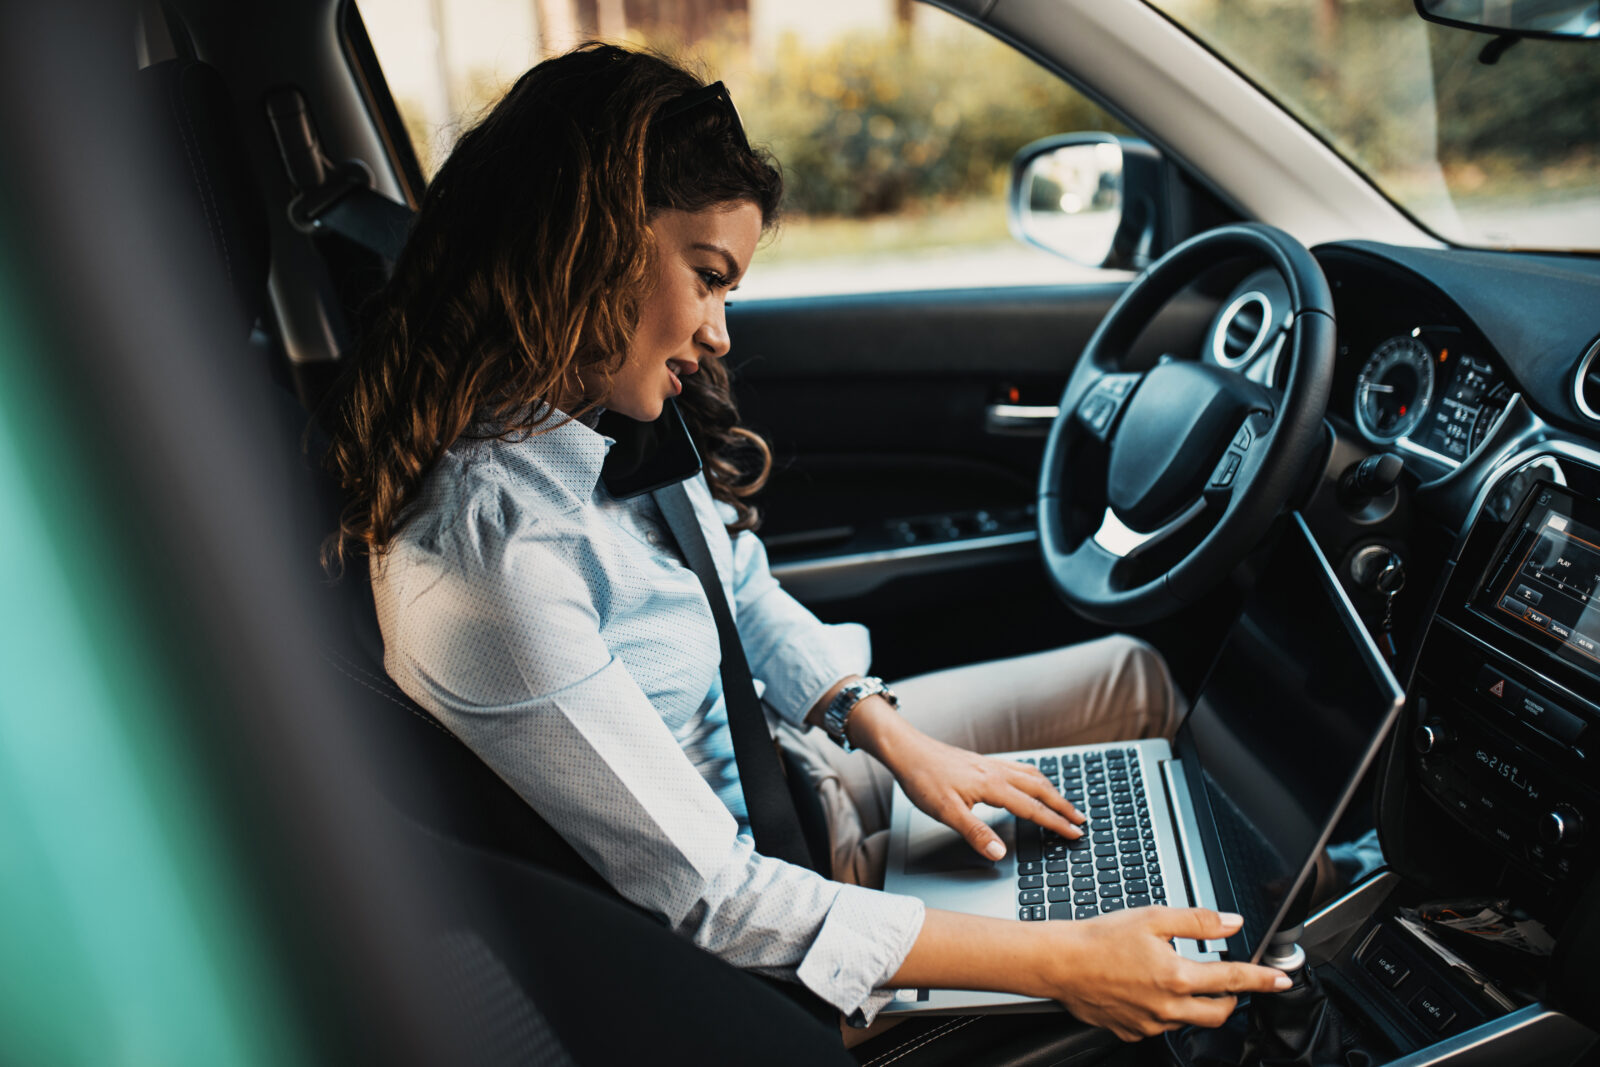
<point x="677" y="370"/>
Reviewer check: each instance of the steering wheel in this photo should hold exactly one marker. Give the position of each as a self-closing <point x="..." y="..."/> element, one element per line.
<point x="1140" y="465"/>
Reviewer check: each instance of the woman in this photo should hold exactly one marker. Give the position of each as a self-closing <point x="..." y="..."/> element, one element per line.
<point x="574" y="254"/>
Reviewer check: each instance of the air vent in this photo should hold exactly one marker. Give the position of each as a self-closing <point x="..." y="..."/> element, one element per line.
<point x="1586" y="386"/>
<point x="1242" y="330"/>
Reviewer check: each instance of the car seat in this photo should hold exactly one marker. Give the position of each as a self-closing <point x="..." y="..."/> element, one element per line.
<point x="535" y="958"/>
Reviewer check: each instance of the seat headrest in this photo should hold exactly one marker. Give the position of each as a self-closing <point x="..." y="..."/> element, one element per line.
<point x="196" y="110"/>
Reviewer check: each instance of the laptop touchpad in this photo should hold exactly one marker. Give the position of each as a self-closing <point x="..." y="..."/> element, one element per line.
<point x="934" y="848"/>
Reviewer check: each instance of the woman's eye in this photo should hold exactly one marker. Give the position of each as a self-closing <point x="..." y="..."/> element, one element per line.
<point x="713" y="280"/>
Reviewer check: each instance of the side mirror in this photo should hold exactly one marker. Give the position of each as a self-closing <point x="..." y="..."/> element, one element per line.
<point x="1517" y="18"/>
<point x="1088" y="197"/>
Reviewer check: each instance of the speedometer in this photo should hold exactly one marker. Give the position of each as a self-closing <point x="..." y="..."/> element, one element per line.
<point x="1394" y="389"/>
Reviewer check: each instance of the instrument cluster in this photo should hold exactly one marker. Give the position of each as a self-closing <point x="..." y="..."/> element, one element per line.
<point x="1429" y="391"/>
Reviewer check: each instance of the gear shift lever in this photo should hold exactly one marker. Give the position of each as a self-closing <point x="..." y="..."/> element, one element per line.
<point x="1299" y="1027"/>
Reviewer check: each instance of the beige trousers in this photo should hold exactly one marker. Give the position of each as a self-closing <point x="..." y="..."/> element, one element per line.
<point x="1113" y="689"/>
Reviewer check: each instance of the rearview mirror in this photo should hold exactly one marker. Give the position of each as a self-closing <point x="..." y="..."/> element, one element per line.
<point x="1520" y="18"/>
<point x="1087" y="197"/>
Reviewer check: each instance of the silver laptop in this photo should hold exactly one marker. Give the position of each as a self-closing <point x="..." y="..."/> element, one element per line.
<point x="1231" y="815"/>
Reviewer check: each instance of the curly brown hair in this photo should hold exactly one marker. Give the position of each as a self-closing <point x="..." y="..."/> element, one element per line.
<point x="525" y="270"/>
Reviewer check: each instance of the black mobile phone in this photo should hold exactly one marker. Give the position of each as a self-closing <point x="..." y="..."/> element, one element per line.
<point x="648" y="455"/>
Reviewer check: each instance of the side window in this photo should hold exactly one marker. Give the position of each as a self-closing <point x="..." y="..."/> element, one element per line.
<point x="895" y="123"/>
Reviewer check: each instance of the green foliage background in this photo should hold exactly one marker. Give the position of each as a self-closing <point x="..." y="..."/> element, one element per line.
<point x="871" y="124"/>
<point x="1397" y="95"/>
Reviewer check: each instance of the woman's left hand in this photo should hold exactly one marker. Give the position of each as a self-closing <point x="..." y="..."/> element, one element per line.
<point x="946" y="781"/>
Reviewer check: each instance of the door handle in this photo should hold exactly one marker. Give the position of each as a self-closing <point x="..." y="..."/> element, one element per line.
<point x="1020" y="420"/>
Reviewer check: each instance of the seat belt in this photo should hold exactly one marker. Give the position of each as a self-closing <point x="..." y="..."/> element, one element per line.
<point x="332" y="198"/>
<point x="773" y="820"/>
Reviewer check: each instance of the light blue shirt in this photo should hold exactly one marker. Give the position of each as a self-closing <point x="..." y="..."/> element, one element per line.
<point x="555" y="630"/>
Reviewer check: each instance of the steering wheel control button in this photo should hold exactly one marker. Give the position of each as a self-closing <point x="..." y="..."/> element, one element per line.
<point x="1227" y="467"/>
<point x="1431" y="1009"/>
<point x="1242" y="439"/>
<point x="1099" y="409"/>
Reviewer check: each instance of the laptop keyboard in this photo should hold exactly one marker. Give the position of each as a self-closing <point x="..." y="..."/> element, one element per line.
<point x="1112" y="866"/>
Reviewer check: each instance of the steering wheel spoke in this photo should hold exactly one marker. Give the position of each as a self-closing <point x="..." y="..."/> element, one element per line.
<point x="1123" y="542"/>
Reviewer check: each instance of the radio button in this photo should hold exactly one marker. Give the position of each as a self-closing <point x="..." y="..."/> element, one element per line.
<point x="1557" y="722"/>
<point x="1561" y="826"/>
<point x="1560" y="630"/>
<point x="1537" y="618"/>
<point x="1432" y="737"/>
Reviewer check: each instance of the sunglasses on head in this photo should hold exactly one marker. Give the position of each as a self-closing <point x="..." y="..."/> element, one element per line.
<point x="715" y="94"/>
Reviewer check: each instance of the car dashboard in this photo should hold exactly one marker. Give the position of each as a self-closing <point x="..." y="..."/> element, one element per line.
<point x="1473" y="368"/>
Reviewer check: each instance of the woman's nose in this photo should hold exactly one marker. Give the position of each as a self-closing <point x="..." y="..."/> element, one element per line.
<point x="713" y="332"/>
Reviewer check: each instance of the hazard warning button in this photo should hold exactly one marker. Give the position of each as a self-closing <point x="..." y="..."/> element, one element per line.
<point x="1500" y="689"/>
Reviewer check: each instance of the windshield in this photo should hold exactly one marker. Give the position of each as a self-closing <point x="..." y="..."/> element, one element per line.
<point x="1484" y="140"/>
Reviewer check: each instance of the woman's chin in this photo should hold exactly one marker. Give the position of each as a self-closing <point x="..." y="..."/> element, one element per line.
<point x="642" y="410"/>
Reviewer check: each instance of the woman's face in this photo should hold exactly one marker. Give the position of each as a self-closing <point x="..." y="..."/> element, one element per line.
<point x="700" y="256"/>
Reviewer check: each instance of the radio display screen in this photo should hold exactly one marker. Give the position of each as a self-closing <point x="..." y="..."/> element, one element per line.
<point x="1545" y="585"/>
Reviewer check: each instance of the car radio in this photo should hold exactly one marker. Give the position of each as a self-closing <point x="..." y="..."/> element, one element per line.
<point x="1506" y="687"/>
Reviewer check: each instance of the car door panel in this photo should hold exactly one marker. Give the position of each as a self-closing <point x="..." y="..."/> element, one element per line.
<point x="895" y="490"/>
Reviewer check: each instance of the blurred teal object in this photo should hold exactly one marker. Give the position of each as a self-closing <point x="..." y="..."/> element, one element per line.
<point x="124" y="935"/>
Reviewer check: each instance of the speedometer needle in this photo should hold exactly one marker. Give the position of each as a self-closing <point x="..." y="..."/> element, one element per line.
<point x="1379" y="387"/>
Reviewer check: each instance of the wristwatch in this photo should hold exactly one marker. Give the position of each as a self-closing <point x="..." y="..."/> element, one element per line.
<point x="837" y="717"/>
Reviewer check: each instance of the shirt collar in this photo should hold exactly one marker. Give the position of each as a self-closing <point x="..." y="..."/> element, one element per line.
<point x="570" y="452"/>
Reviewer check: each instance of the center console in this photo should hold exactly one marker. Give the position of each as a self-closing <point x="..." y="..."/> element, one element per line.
<point x="1490" y="797"/>
<point x="1505" y="693"/>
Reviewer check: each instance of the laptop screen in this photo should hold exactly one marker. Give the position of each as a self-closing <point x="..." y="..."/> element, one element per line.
<point x="1290" y="716"/>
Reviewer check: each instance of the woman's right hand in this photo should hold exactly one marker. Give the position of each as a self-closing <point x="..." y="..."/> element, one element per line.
<point x="1118" y="971"/>
<point x="1122" y="973"/>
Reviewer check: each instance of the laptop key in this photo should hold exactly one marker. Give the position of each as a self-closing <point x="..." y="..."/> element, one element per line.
<point x="1031" y="881"/>
<point x="1083" y="883"/>
<point x="1052" y="866"/>
<point x="1106" y="877"/>
<point x="1138" y="885"/>
<point x="1108" y="906"/>
<point x="1082" y="868"/>
<point x="1106" y="863"/>
<point x="1155" y="879"/>
<point x="1058" y="878"/>
<point x="1160" y="895"/>
<point x="1085" y="911"/>
<point x="1109" y="891"/>
<point x="1029" y="867"/>
<point x="1138" y="900"/>
<point x="1058" y="894"/>
<point x="1084" y="898"/>
<point x="1128" y="846"/>
<point x="1105" y="849"/>
<point x="1133" y="859"/>
<point x="1061" y="911"/>
<point x="1032" y="896"/>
